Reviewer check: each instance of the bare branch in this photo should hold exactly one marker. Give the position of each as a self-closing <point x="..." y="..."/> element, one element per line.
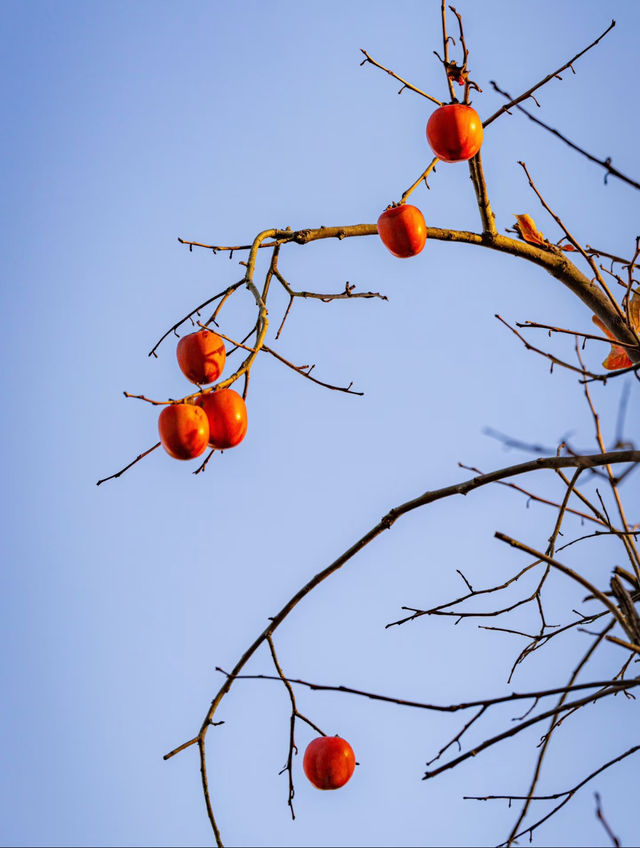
<point x="386" y="523"/>
<point x="570" y="573"/>
<point x="618" y="685"/>
<point x="600" y="816"/>
<point x="404" y="82"/>
<point x="544" y="81"/>
<point x="604" y="163"/>
<point x="127" y="467"/>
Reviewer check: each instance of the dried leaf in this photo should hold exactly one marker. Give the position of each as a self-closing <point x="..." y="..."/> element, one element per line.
<point x="617" y="358"/>
<point x="528" y="230"/>
<point x="602" y="327"/>
<point x="457" y="73"/>
<point x="634" y="311"/>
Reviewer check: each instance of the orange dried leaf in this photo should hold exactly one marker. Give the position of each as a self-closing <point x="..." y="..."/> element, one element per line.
<point x="602" y="327"/>
<point x="634" y="311"/>
<point x="528" y="230"/>
<point x="618" y="357"/>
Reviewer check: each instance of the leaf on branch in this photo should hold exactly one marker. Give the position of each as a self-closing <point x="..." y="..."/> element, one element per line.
<point x="618" y="357"/>
<point x="634" y="311"/>
<point x="457" y="73"/>
<point x="528" y="231"/>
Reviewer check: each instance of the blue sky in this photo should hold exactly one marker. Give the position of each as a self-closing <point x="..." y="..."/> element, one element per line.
<point x="128" y="125"/>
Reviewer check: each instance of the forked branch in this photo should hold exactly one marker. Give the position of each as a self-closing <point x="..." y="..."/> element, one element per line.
<point x="464" y="488"/>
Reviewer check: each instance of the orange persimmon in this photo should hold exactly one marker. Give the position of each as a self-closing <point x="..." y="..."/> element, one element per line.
<point x="227" y="415"/>
<point x="455" y="132"/>
<point x="329" y="762"/>
<point x="184" y="430"/>
<point x="201" y="356"/>
<point x="402" y="230"/>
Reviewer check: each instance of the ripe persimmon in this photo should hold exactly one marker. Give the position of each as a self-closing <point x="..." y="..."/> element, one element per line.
<point x="402" y="230"/>
<point x="201" y="356"/>
<point x="184" y="430"/>
<point x="227" y="416"/>
<point x="455" y="132"/>
<point x="329" y="762"/>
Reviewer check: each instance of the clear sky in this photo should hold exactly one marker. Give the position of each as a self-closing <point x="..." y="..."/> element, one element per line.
<point x="127" y="125"/>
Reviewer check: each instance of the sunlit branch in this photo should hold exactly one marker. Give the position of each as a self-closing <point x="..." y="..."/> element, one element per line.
<point x="422" y="178"/>
<point x="404" y="82"/>
<point x="303" y="370"/>
<point x="223" y="294"/>
<point x="576" y="244"/>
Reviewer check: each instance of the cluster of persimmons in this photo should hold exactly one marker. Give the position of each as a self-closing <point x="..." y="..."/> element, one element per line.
<point x="218" y="418"/>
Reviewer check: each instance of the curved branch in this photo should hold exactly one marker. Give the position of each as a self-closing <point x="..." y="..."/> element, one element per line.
<point x="553" y="462"/>
<point x="440" y="708"/>
<point x="556" y="263"/>
<point x="552" y="259"/>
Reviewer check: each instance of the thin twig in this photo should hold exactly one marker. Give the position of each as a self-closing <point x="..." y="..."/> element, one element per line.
<point x="423" y="177"/>
<point x="127" y="467"/>
<point x="570" y="573"/>
<point x="445" y="48"/>
<point x="518" y="728"/>
<point x="568" y="795"/>
<point x="549" y="734"/>
<point x="304" y="370"/>
<point x="600" y="816"/>
<point x="604" y="163"/>
<point x="554" y="359"/>
<point x="617" y="685"/>
<point x="549" y="77"/>
<point x="588" y="258"/>
<point x="404" y="82"/>
<point x="552" y="329"/>
<point x="223" y="294"/>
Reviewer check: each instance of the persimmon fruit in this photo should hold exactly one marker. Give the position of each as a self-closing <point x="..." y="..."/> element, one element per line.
<point x="201" y="356"/>
<point x="455" y="132"/>
<point x="184" y="430"/>
<point x="402" y="230"/>
<point x="227" y="416"/>
<point x="329" y="762"/>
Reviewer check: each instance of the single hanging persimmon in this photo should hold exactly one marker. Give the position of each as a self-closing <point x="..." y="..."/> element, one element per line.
<point x="455" y="132"/>
<point x="402" y="230"/>
<point x="184" y="430"/>
<point x="201" y="356"/>
<point x="329" y="762"/>
<point x="227" y="416"/>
